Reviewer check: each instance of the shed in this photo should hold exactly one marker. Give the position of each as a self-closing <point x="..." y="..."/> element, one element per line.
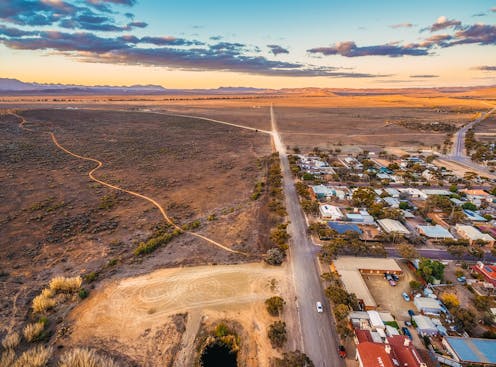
<point x="375" y="320"/>
<point x="425" y="326"/>
<point x="427" y="305"/>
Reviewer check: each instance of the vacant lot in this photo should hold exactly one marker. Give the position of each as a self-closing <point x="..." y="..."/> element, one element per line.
<point x="55" y="220"/>
<point x="125" y="315"/>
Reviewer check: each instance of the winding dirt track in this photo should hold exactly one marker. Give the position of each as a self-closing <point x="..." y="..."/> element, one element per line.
<point x="133" y="193"/>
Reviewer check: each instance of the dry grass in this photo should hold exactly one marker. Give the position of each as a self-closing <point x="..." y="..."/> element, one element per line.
<point x="33" y="331"/>
<point x="7" y="358"/>
<point x="66" y="285"/>
<point x="34" y="357"/>
<point x="11" y="341"/>
<point x="42" y="303"/>
<point x="83" y="357"/>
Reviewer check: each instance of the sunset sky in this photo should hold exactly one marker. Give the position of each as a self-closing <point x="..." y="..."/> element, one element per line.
<point x="271" y="43"/>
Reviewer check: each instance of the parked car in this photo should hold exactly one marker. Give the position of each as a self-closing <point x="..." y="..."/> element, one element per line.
<point x="342" y="351"/>
<point x="389" y="277"/>
<point x="462" y="279"/>
<point x="319" y="307"/>
<point x="395" y="277"/>
<point x="408" y="323"/>
<point x="406" y="332"/>
<point x="405" y="296"/>
<point x="392" y="283"/>
<point x="411" y="313"/>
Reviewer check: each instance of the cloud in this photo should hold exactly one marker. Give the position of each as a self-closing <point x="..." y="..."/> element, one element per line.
<point x="277" y="50"/>
<point x="486" y="68"/>
<point x="481" y="14"/>
<point x="117" y="2"/>
<point x="350" y="49"/>
<point x="493" y="9"/>
<point x="402" y="25"/>
<point x="482" y="34"/>
<point x="426" y="76"/>
<point x="169" y="52"/>
<point x="93" y="15"/>
<point x="443" y="23"/>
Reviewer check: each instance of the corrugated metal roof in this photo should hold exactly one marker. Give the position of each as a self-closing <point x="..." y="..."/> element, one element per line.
<point x="475" y="350"/>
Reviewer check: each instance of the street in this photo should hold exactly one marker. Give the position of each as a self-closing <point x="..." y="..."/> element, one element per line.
<point x="320" y="340"/>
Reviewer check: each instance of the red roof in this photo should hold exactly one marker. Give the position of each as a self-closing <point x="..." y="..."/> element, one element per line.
<point x="404" y="351"/>
<point x="374" y="355"/>
<point x="363" y="335"/>
<point x="489" y="271"/>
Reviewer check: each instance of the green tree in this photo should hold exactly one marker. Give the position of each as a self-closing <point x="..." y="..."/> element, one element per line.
<point x="341" y="311"/>
<point x="274" y="256"/>
<point x="415" y="285"/>
<point x="469" y="206"/>
<point x="465" y="318"/>
<point x="294" y="359"/>
<point x="430" y="270"/>
<point x="274" y="305"/>
<point x="408" y="251"/>
<point x="363" y="196"/>
<point x="277" y="334"/>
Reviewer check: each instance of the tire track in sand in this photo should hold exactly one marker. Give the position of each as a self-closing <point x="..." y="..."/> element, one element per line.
<point x="99" y="164"/>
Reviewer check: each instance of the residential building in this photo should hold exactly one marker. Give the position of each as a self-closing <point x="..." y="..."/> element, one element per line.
<point x="321" y="191"/>
<point x="342" y="228"/>
<point x="393" y="192"/>
<point x="392" y="226"/>
<point x="392" y="202"/>
<point x="414" y="193"/>
<point x="487" y="271"/>
<point x="473" y="234"/>
<point x="371" y="354"/>
<point x="430" y="192"/>
<point x="330" y="212"/>
<point x="473" y="216"/>
<point x="425" y="326"/>
<point x="471" y="351"/>
<point x="396" y="351"/>
<point x="428" y="305"/>
<point x="436" y="232"/>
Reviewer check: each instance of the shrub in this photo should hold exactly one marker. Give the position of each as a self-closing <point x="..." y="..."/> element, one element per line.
<point x="32" y="331"/>
<point x="274" y="305"/>
<point x="277" y="334"/>
<point x="450" y="300"/>
<point x="11" y="341"/>
<point x="83" y="293"/>
<point x="274" y="256"/>
<point x="34" y="357"/>
<point x="221" y="330"/>
<point x="7" y="358"/>
<point x="66" y="285"/>
<point x="84" y="357"/>
<point x="294" y="359"/>
<point x="42" y="303"/>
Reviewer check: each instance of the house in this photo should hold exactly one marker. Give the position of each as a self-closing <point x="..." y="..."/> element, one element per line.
<point x="428" y="175"/>
<point x="392" y="226"/>
<point x="487" y="271"/>
<point x="371" y="354"/>
<point x="436" y="232"/>
<point x="477" y="196"/>
<point x="392" y="192"/>
<point x="342" y="228"/>
<point x="351" y="270"/>
<point x="425" y="326"/>
<point x="414" y="193"/>
<point x="396" y="351"/>
<point x="330" y="212"/>
<point x="361" y="217"/>
<point x="471" y="351"/>
<point x="428" y="305"/>
<point x="431" y="192"/>
<point x="473" y="216"/>
<point x="473" y="234"/>
<point x="404" y="351"/>
<point x="392" y="202"/>
<point x="321" y="191"/>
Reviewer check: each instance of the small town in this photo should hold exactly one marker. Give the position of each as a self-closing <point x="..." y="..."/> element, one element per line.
<point x="386" y="226"/>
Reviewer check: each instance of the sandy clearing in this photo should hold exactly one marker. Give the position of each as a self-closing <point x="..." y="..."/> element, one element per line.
<point x="123" y="310"/>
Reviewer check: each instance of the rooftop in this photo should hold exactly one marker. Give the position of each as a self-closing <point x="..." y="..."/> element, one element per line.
<point x="344" y="227"/>
<point x="435" y="231"/>
<point x="374" y="355"/>
<point x="473" y="233"/>
<point x="474" y="350"/>
<point x="391" y="225"/>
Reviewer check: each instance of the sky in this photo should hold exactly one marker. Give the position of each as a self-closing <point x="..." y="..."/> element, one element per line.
<point x="263" y="44"/>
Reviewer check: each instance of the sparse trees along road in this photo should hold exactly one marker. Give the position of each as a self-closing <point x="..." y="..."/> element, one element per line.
<point x="458" y="153"/>
<point x="319" y="336"/>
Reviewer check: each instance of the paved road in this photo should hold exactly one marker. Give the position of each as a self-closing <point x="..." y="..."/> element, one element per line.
<point x="319" y="335"/>
<point x="458" y="152"/>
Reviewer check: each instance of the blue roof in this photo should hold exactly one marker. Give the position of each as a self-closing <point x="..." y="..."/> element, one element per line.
<point x="473" y="349"/>
<point x="344" y="227"/>
<point x="474" y="216"/>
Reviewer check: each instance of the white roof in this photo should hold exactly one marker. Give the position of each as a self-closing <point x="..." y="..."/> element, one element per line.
<point x="426" y="303"/>
<point x="391" y="225"/>
<point x="472" y="233"/>
<point x="392" y="192"/>
<point x="424" y="323"/>
<point x="436" y="192"/>
<point x="391" y="201"/>
<point x="436" y="231"/>
<point x="330" y="211"/>
<point x="375" y="320"/>
<point x="353" y="283"/>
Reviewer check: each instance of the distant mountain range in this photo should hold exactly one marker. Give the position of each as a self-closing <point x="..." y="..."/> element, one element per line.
<point x="15" y="86"/>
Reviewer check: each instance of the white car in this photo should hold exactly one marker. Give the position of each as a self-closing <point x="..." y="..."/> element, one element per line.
<point x="319" y="307"/>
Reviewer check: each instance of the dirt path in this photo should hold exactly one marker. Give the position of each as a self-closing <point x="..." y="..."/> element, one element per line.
<point x="185" y="357"/>
<point x="99" y="164"/>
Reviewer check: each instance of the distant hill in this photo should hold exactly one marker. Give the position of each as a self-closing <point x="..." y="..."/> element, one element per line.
<point x="17" y="87"/>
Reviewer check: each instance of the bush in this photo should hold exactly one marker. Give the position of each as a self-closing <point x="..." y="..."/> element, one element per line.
<point x="34" y="357"/>
<point x="42" y="303"/>
<point x="450" y="300"/>
<point x="66" y="285"/>
<point x="277" y="334"/>
<point x="274" y="305"/>
<point x="83" y="293"/>
<point x="274" y="256"/>
<point x="155" y="242"/>
<point x="84" y="357"/>
<point x="294" y="359"/>
<point x="32" y="331"/>
<point x="11" y="341"/>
